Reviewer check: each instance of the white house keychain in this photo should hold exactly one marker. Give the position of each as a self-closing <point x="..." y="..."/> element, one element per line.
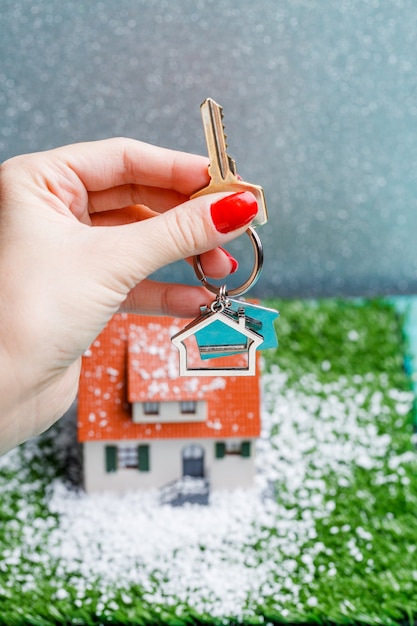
<point x="227" y="327"/>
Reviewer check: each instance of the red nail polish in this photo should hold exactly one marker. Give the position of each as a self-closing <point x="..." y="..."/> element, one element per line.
<point x="234" y="211"/>
<point x="232" y="260"/>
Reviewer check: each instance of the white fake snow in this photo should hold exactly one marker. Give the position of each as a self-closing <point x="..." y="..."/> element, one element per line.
<point x="206" y="556"/>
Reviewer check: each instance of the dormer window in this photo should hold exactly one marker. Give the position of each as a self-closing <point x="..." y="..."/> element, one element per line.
<point x="151" y="408"/>
<point x="169" y="412"/>
<point x="188" y="406"/>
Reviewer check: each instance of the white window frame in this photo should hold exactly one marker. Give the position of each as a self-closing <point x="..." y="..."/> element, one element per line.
<point x="151" y="408"/>
<point x="127" y="457"/>
<point x="188" y="407"/>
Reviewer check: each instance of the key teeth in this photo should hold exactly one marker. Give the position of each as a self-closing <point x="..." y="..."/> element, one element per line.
<point x="223" y="126"/>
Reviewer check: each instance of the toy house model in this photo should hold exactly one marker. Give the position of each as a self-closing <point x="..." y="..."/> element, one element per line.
<point x="143" y="425"/>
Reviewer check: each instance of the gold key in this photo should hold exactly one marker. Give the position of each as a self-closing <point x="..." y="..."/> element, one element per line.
<point x="222" y="168"/>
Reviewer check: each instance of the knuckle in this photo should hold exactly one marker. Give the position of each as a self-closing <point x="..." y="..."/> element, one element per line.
<point x="188" y="232"/>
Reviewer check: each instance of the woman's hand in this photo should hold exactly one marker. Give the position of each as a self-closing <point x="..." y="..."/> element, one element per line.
<point x="81" y="227"/>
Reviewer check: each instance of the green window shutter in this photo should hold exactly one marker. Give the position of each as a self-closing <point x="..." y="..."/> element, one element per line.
<point x="111" y="458"/>
<point x="245" y="449"/>
<point x="220" y="449"/>
<point x="143" y="458"/>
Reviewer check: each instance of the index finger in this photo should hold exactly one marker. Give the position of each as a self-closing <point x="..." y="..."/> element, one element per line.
<point x="109" y="163"/>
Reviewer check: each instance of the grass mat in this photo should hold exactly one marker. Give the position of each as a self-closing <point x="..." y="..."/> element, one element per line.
<point x="327" y="534"/>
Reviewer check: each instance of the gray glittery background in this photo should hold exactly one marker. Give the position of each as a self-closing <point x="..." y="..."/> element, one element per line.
<point x="320" y="105"/>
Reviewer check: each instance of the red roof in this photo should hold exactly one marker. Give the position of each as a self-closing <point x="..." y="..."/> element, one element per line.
<point x="133" y="360"/>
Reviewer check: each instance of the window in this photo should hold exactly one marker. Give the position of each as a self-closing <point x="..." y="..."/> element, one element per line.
<point x="151" y="408"/>
<point x="189" y="406"/>
<point x="127" y="457"/>
<point x="232" y="448"/>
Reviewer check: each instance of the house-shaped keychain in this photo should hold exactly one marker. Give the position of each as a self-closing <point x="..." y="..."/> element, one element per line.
<point x="228" y="335"/>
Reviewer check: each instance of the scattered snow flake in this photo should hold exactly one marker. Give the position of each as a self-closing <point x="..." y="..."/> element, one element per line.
<point x="62" y="594"/>
<point x="407" y="457"/>
<point x="216" y="383"/>
<point x="403" y="408"/>
<point x="125" y="598"/>
<point x="214" y="424"/>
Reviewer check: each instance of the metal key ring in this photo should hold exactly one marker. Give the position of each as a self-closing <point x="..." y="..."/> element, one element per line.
<point x="237" y="291"/>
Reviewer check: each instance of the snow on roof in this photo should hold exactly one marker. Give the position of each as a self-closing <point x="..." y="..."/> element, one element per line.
<point x="153" y="365"/>
<point x="133" y="360"/>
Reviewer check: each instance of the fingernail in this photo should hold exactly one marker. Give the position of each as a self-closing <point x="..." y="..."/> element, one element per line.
<point x="234" y="211"/>
<point x="232" y="260"/>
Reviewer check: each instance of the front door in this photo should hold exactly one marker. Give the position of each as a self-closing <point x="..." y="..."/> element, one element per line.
<point x="193" y="461"/>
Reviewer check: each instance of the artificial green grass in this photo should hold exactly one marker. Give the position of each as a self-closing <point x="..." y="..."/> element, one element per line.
<point x="340" y="546"/>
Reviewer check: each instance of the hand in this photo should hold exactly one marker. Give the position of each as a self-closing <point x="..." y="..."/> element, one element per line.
<point x="81" y="227"/>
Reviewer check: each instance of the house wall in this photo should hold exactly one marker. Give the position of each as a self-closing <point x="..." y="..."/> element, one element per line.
<point x="233" y="472"/>
<point x="165" y="466"/>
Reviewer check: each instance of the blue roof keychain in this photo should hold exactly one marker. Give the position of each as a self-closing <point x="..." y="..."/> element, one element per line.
<point x="257" y="318"/>
<point x="227" y="326"/>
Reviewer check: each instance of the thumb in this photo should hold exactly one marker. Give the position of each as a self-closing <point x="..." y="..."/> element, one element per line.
<point x="191" y="228"/>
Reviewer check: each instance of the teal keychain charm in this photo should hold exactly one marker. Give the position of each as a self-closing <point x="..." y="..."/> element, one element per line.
<point x="257" y="318"/>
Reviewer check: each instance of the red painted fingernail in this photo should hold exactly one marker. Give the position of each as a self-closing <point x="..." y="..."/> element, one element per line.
<point x="234" y="211"/>
<point x="232" y="260"/>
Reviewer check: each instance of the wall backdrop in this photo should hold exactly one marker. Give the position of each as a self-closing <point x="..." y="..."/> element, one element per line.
<point x="320" y="104"/>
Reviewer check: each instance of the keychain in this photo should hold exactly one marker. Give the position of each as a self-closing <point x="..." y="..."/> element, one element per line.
<point x="227" y="327"/>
